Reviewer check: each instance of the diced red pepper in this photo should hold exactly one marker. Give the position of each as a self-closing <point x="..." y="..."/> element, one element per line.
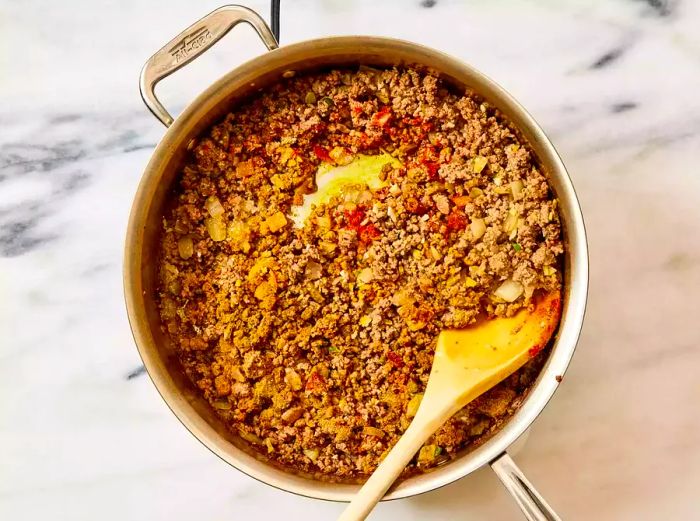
<point x="413" y="205"/>
<point x="456" y="221"/>
<point x="535" y="350"/>
<point x="413" y="122"/>
<point x="368" y="142"/>
<point x="315" y="383"/>
<point x="318" y="128"/>
<point x="381" y="118"/>
<point x="322" y="153"/>
<point x="428" y="153"/>
<point x="395" y="359"/>
<point x="432" y="167"/>
<point x="368" y="233"/>
<point x="355" y="217"/>
<point x="370" y="294"/>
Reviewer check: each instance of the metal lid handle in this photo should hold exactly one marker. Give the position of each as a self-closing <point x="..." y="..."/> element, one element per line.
<point x="192" y="42"/>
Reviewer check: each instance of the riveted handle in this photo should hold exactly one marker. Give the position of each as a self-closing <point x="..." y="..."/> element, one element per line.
<point x="192" y="42"/>
<point x="531" y="503"/>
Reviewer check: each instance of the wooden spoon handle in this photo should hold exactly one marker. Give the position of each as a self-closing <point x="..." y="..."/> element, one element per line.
<point x="388" y="470"/>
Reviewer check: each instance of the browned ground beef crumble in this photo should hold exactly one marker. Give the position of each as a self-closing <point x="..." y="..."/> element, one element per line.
<point x="314" y="344"/>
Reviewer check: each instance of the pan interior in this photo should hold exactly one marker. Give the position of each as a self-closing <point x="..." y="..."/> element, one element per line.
<point x="150" y="204"/>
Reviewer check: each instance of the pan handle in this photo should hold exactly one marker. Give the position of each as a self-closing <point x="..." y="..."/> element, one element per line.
<point x="532" y="504"/>
<point x="189" y="44"/>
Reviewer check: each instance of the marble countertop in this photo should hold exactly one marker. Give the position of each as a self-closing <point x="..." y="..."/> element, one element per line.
<point x="83" y="432"/>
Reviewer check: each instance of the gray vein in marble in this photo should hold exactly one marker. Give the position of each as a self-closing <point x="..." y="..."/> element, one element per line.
<point x="608" y="58"/>
<point x="95" y="270"/>
<point x="647" y="135"/>
<point x="19" y="222"/>
<point x="135" y="373"/>
<point x="16" y="237"/>
<point x="660" y="8"/>
<point x="22" y="158"/>
<point x="64" y="118"/>
<point x="59" y="161"/>
<point x="623" y="106"/>
<point x="139" y="146"/>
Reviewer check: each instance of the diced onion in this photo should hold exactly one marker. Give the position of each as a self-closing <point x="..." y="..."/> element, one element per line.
<point x="293" y="380"/>
<point x="216" y="229"/>
<point x="238" y="231"/>
<point x="373" y="431"/>
<point x="516" y="188"/>
<point x="180" y="227"/>
<point x="168" y="308"/>
<point x="213" y="206"/>
<point x="478" y="164"/>
<point x="478" y="228"/>
<point x="312" y="454"/>
<point x="510" y="222"/>
<point x="509" y="291"/>
<point x="250" y="437"/>
<point x="292" y="414"/>
<point x="428" y="453"/>
<point x="366" y="275"/>
<point x="351" y="195"/>
<point x="185" y="247"/>
<point x="383" y="97"/>
<point x="314" y="270"/>
<point x="402" y="298"/>
<point x="340" y="155"/>
<point x="365" y="197"/>
<point x="413" y="404"/>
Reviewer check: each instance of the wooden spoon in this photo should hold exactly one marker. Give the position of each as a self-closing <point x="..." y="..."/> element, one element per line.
<point x="467" y="363"/>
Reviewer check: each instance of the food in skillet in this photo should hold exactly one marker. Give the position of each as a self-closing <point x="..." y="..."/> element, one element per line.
<point x="321" y="237"/>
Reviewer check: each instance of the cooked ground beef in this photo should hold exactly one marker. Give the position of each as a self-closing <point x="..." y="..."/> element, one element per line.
<point x="315" y="343"/>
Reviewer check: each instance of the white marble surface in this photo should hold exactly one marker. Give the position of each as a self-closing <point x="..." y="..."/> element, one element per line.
<point x="614" y="83"/>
